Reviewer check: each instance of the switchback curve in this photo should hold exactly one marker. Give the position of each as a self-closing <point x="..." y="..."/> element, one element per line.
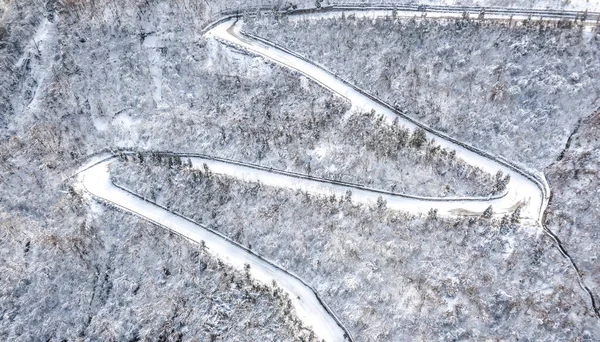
<point x="526" y="190"/>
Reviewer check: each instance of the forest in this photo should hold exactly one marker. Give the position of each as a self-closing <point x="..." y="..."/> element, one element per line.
<point x="77" y="77"/>
<point x="387" y="274"/>
<point x="574" y="210"/>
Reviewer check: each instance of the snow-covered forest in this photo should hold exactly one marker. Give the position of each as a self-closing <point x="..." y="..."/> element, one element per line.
<point x="511" y="89"/>
<point x="70" y="270"/>
<point x="576" y="5"/>
<point x="574" y="211"/>
<point x="77" y="77"/>
<point x="389" y="275"/>
<point x="242" y="109"/>
<point x="524" y="91"/>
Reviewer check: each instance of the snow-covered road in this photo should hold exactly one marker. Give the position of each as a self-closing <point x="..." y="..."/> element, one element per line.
<point x="309" y="308"/>
<point x="525" y="190"/>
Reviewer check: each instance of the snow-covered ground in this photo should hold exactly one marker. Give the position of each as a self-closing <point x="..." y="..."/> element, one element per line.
<point x="523" y="190"/>
<point x="46" y="135"/>
<point x="96" y="181"/>
<point x="473" y="14"/>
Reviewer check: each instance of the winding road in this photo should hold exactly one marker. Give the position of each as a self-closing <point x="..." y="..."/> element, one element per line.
<point x="526" y="190"/>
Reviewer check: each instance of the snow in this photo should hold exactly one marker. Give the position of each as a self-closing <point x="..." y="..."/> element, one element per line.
<point x="577" y="5"/>
<point x="456" y="14"/>
<point x="151" y="44"/>
<point x="96" y="180"/>
<point x="521" y="189"/>
<point x="41" y="35"/>
<point x="38" y="46"/>
<point x="416" y="205"/>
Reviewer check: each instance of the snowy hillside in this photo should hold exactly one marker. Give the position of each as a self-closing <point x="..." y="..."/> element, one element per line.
<point x="296" y="176"/>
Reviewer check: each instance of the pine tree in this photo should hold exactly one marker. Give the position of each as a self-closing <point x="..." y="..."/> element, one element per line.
<point x="418" y="138"/>
<point x="488" y="212"/>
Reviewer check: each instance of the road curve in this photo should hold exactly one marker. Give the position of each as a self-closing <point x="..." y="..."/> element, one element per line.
<point x="95" y="181"/>
<point x="525" y="190"/>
